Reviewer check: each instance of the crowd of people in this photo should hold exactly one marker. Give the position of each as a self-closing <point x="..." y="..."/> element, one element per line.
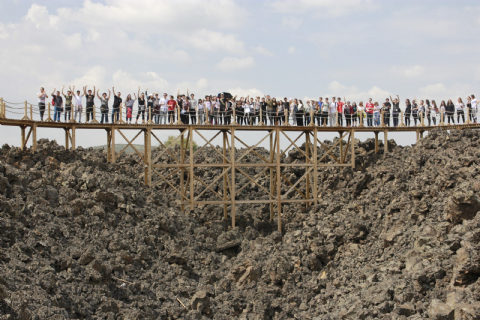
<point x="224" y="109"/>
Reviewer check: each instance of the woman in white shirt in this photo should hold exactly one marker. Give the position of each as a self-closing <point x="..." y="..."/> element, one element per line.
<point x="208" y="109"/>
<point x="434" y="112"/>
<point x="41" y="101"/>
<point x="376" y="114"/>
<point x="200" y="111"/>
<point x="360" y="110"/>
<point x="459" y="107"/>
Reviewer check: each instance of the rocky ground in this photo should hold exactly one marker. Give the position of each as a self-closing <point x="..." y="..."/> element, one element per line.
<point x="396" y="238"/>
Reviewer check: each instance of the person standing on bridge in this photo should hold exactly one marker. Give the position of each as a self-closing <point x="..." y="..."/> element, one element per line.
<point x="57" y="98"/>
<point x="434" y="112"/>
<point x="354" y="114"/>
<point x="156" y="109"/>
<point x="68" y="103"/>
<point x="104" y="105"/>
<point x="41" y="102"/>
<point x="376" y="114"/>
<point x="163" y="109"/>
<point x="408" y="112"/>
<point x="193" y="108"/>
<point x="443" y="111"/>
<point x="460" y="107"/>
<point x="360" y="112"/>
<point x="348" y="111"/>
<point x="90" y="102"/>
<point x="428" y="111"/>
<point x="117" y="101"/>
<point x="172" y="106"/>
<point x="395" y="110"/>
<point x="141" y="106"/>
<point x="129" y="102"/>
<point x="415" y="111"/>
<point x="369" y="111"/>
<point x="340" y="111"/>
<point x="150" y="101"/>
<point x="474" y="108"/>
<point x="450" y="109"/>
<point x="469" y="108"/>
<point x="332" y="111"/>
<point x="78" y="105"/>
<point x="386" y="112"/>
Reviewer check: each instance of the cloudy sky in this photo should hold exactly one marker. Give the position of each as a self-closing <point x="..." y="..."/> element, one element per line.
<point x="303" y="48"/>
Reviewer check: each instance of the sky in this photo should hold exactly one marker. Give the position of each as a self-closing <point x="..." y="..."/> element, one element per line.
<point x="355" y="49"/>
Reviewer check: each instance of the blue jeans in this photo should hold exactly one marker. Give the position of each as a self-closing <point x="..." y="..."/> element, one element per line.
<point x="56" y="114"/>
<point x="115" y="111"/>
<point x="376" y="119"/>
<point x="163" y="116"/>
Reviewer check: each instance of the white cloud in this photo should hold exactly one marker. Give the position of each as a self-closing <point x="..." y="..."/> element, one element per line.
<point x="292" y="22"/>
<point x="241" y="92"/>
<point x="414" y="71"/>
<point x="73" y="41"/>
<point x="291" y="50"/>
<point x="214" y="41"/>
<point x="3" y="31"/>
<point x="232" y="63"/>
<point x="263" y="51"/>
<point x="333" y="8"/>
<point x="336" y="89"/>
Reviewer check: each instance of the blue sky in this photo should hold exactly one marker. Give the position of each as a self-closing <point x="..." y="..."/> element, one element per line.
<point x="304" y="49"/>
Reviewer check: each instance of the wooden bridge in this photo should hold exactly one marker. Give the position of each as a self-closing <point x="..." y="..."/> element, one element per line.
<point x="183" y="160"/>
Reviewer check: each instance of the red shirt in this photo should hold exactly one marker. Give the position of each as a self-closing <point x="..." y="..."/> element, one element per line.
<point x="340" y="107"/>
<point x="171" y="105"/>
<point x="369" y="108"/>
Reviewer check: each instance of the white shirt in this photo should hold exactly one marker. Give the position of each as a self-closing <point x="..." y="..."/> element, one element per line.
<point x="333" y="107"/>
<point x="459" y="106"/>
<point x="193" y="103"/>
<point x="324" y="107"/>
<point x="474" y="103"/>
<point x="246" y="108"/>
<point x="200" y="106"/>
<point x="41" y="99"/>
<point x="163" y="104"/>
<point x="78" y="100"/>
<point x="208" y="105"/>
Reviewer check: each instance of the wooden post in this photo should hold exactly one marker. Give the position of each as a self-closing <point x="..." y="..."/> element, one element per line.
<point x="66" y="138"/>
<point x="341" y="147"/>
<point x="148" y="156"/>
<point x="121" y="115"/>
<point x="234" y="116"/>
<point x="232" y="160"/>
<point x="260" y="123"/>
<point x="182" y="161"/>
<point x="179" y="122"/>
<point x="279" y="183"/>
<point x="286" y="117"/>
<point x="382" y="120"/>
<point x="113" y="144"/>
<point x="385" y="143"/>
<point x="94" y="119"/>
<point x="421" y="119"/>
<point x="468" y="117"/>
<point x="2" y="107"/>
<point x="376" y="141"/>
<point x="401" y="119"/>
<point x="272" y="187"/>
<point x="149" y="116"/>
<point x="418" y="135"/>
<point x="192" y="190"/>
<point x="442" y="119"/>
<point x="307" y="161"/>
<point x="109" y="145"/>
<point x="225" y="216"/>
<point x="315" y="166"/>
<point x="22" y="135"/>
<point x="312" y="120"/>
<point x="25" y="116"/>
<point x="73" y="137"/>
<point x="361" y="120"/>
<point x="34" y="137"/>
<point x="206" y="116"/>
<point x="336" y="122"/>
<point x="49" y="118"/>
<point x="352" y="141"/>
<point x="31" y="112"/>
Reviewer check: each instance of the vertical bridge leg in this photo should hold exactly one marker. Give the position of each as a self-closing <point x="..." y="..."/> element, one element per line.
<point x="376" y="141"/>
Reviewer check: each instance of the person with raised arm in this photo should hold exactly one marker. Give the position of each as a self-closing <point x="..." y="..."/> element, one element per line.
<point x="90" y="102"/>
<point x="271" y="112"/>
<point x="104" y="104"/>
<point x="129" y="102"/>
<point x="369" y="107"/>
<point x="41" y="102"/>
<point x="150" y="101"/>
<point x="247" y="111"/>
<point x="78" y="104"/>
<point x="395" y="110"/>
<point x="57" y="102"/>
<point x="117" y="101"/>
<point x="68" y="103"/>
<point x="141" y="106"/>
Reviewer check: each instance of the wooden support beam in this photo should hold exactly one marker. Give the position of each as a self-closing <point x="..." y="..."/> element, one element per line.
<point x="192" y="190"/>
<point x="182" y="159"/>
<point x="148" y="156"/>
<point x="232" y="162"/>
<point x="307" y="160"/>
<point x="74" y="137"/>
<point x="385" y="142"/>
<point x="272" y="186"/>
<point x="352" y="134"/>
<point x="225" y="178"/>
<point x="376" y="141"/>
<point x="66" y="139"/>
<point x="315" y="171"/>
<point x="22" y="136"/>
<point x="279" y="184"/>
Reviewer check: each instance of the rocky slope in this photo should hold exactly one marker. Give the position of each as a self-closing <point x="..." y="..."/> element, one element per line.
<point x="397" y="238"/>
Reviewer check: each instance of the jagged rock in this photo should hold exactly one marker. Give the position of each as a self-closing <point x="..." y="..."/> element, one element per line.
<point x="440" y="311"/>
